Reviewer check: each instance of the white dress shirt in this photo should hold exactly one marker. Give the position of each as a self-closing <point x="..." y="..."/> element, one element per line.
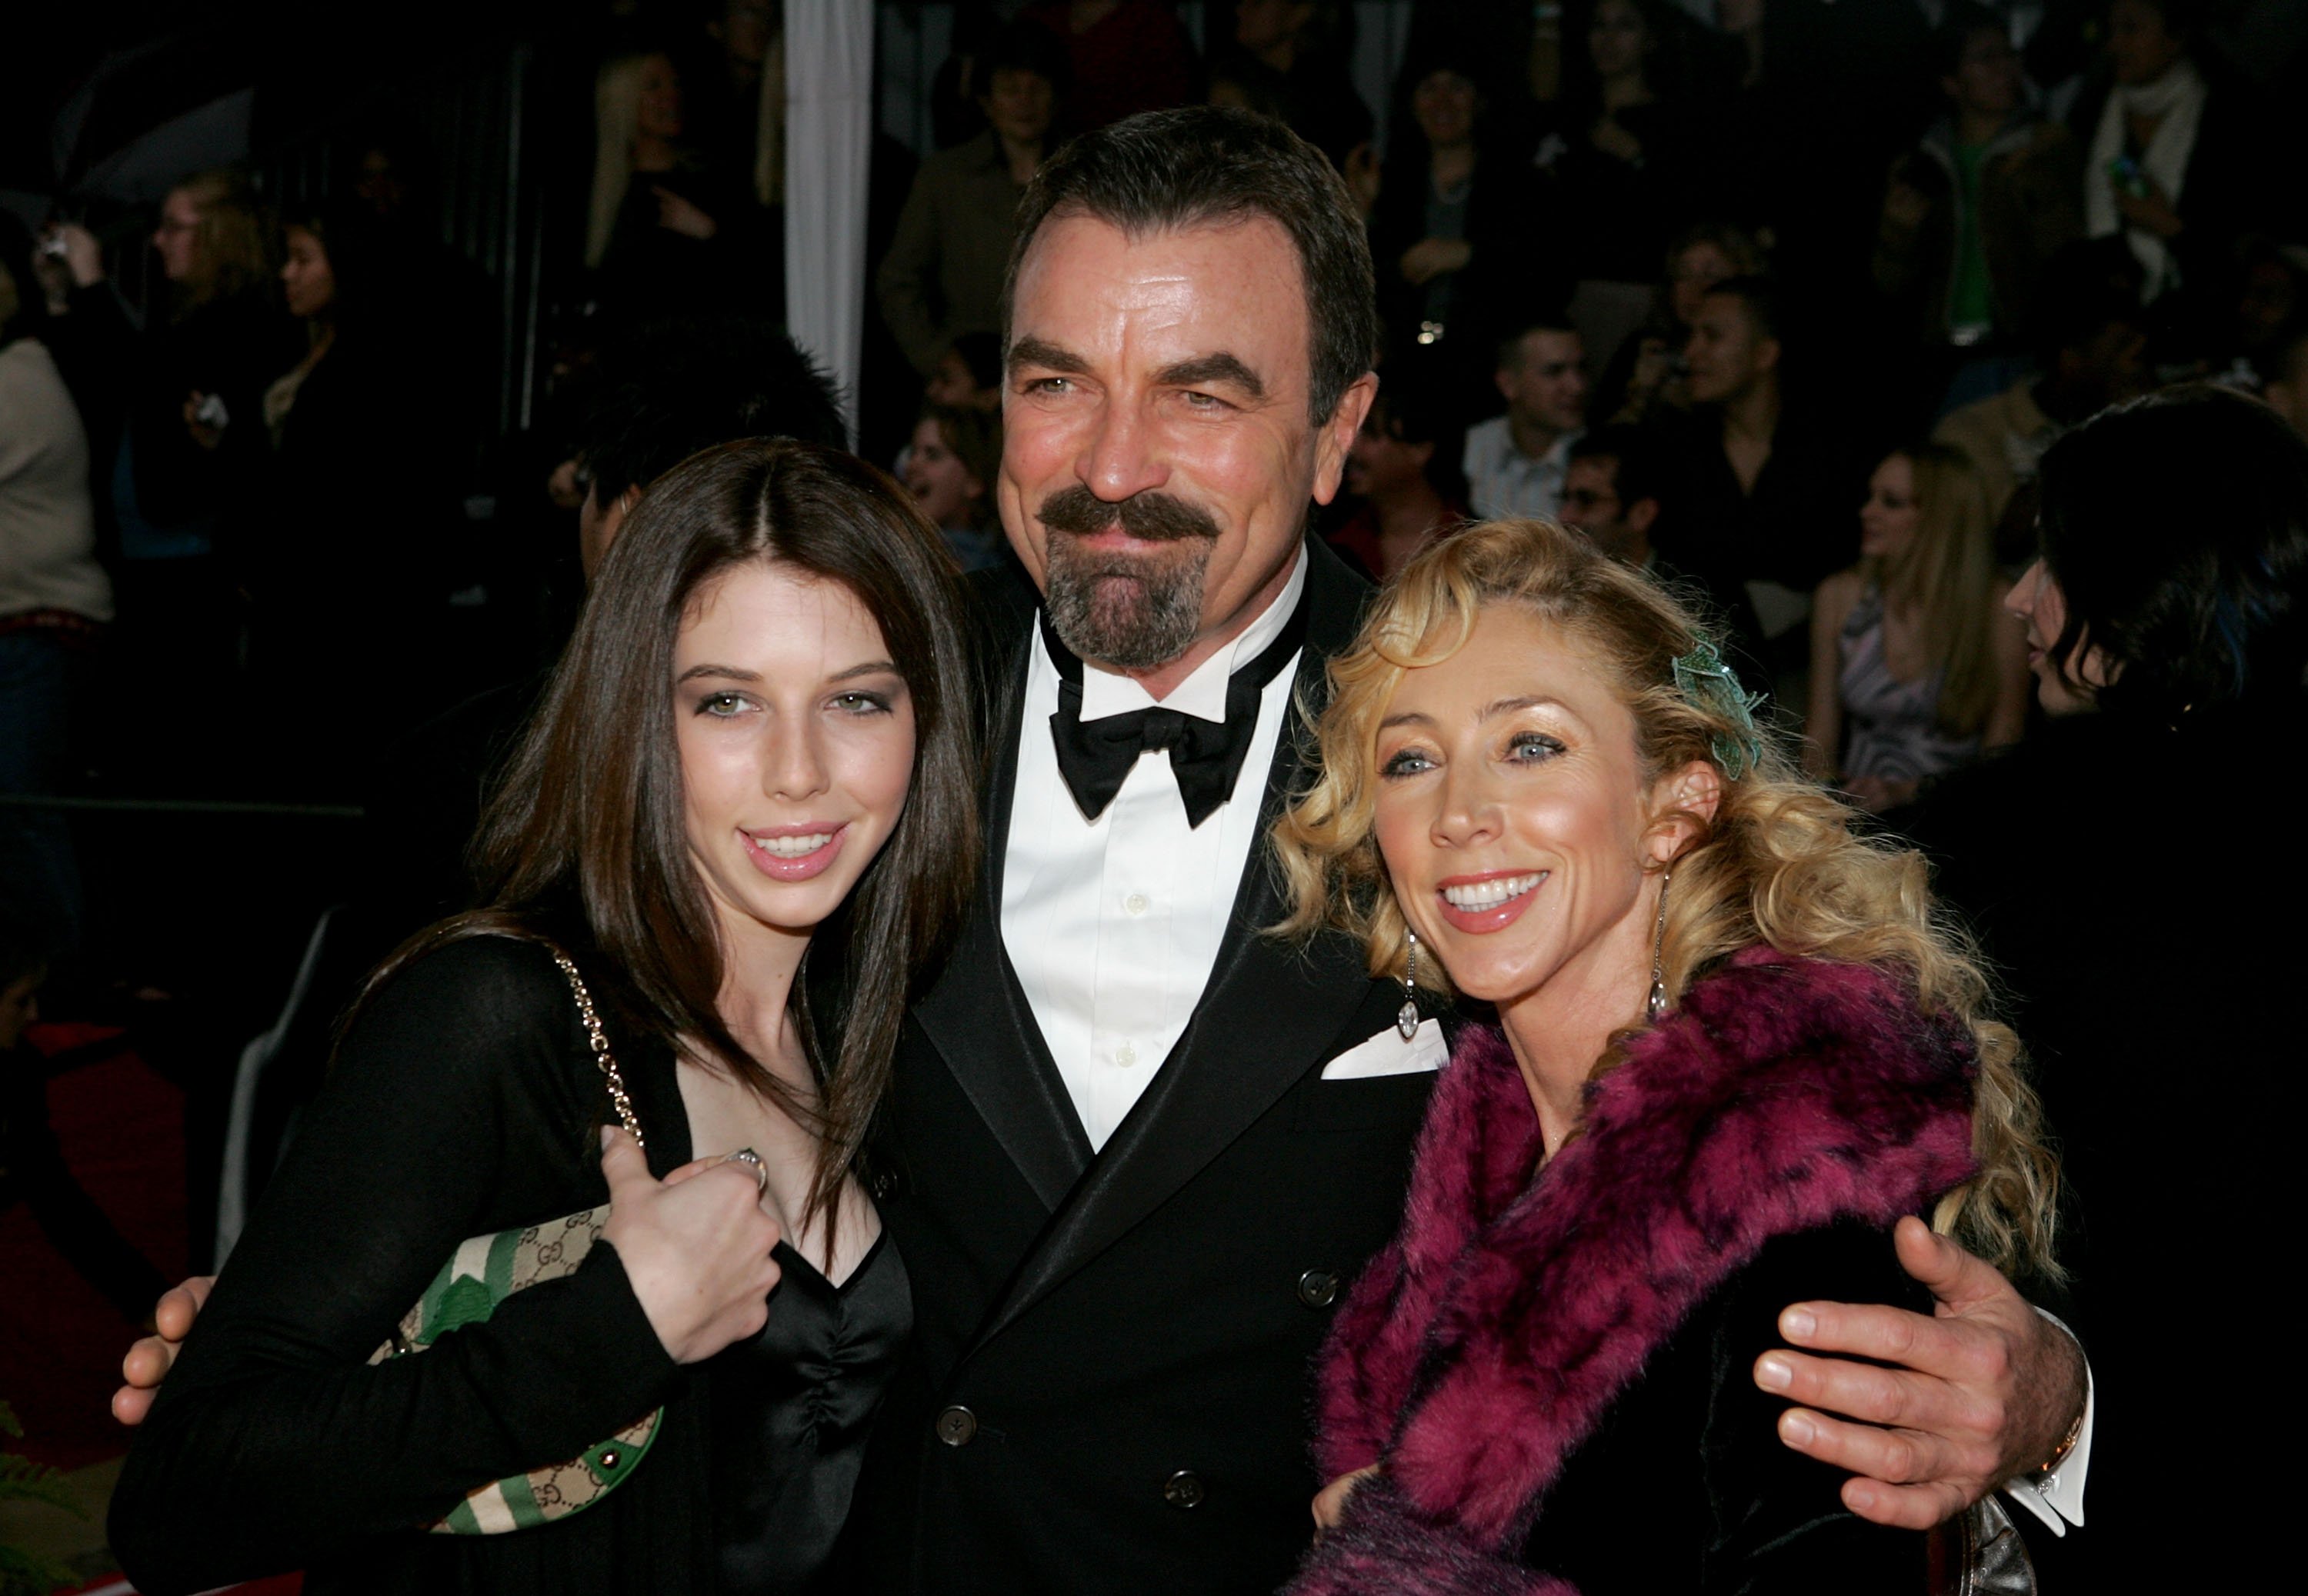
<point x="1503" y="481"/>
<point x="1112" y="924"/>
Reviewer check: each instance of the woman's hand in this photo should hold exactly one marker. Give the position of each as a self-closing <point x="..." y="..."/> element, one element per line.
<point x="150" y="1359"/>
<point x="696" y="1248"/>
<point x="1331" y="1502"/>
<point x="678" y="215"/>
<point x="1430" y="258"/>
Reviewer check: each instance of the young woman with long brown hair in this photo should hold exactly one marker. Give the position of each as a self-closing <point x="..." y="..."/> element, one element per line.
<point x="740" y="829"/>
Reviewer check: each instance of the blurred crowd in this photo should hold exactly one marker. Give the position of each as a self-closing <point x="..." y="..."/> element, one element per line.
<point x="1781" y="299"/>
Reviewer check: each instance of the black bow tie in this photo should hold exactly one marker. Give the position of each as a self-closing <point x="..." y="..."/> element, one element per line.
<point x="1206" y="756"/>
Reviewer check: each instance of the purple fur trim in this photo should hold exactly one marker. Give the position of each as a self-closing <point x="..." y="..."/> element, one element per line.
<point x="1380" y="1548"/>
<point x="1482" y="1347"/>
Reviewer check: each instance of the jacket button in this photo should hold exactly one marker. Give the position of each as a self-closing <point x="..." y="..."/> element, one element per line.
<point x="956" y="1425"/>
<point x="1184" y="1490"/>
<point x="1317" y="1288"/>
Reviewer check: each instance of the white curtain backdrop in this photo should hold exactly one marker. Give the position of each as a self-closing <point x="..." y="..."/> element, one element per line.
<point x="829" y="139"/>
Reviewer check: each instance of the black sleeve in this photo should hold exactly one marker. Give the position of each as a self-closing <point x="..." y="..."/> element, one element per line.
<point x="1780" y="1525"/>
<point x="455" y="1108"/>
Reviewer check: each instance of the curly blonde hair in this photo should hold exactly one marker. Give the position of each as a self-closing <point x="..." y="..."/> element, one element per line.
<point x="1779" y="862"/>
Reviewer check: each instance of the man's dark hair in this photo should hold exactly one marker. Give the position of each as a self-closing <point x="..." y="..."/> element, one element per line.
<point x="1205" y="165"/>
<point x="679" y="386"/>
<point x="2194" y="609"/>
<point x="1509" y="351"/>
<point x="1766" y="307"/>
<point x="1636" y="475"/>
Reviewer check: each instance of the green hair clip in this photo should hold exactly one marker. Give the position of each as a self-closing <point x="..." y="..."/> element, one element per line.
<point x="1701" y="677"/>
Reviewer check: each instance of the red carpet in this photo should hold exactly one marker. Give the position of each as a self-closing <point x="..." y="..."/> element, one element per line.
<point x="121" y="1128"/>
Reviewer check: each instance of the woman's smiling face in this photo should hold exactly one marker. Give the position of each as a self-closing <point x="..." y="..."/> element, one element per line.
<point x="1515" y="818"/>
<point x="796" y="741"/>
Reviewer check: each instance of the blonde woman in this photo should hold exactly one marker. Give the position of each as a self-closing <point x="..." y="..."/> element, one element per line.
<point x="659" y="226"/>
<point x="1927" y="668"/>
<point x="1733" y="1045"/>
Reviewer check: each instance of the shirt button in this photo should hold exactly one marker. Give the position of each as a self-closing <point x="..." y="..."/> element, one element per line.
<point x="956" y="1425"/>
<point x="1184" y="1490"/>
<point x="1136" y="903"/>
<point x="1317" y="1288"/>
<point x="1125" y="1055"/>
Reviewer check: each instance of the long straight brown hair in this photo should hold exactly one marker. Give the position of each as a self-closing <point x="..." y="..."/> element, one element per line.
<point x="587" y="825"/>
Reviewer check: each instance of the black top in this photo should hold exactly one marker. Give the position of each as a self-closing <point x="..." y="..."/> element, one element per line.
<point x="791" y="1412"/>
<point x="2146" y="924"/>
<point x="464" y="1101"/>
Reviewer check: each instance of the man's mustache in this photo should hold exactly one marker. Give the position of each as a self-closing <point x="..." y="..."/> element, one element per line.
<point x="1153" y="517"/>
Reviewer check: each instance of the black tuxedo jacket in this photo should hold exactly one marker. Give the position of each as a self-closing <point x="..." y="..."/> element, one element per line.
<point x="1110" y="1384"/>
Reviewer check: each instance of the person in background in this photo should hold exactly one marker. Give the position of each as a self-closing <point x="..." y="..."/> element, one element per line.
<point x="192" y="426"/>
<point x="741" y="113"/>
<point x="1612" y="492"/>
<point x="342" y="562"/>
<point x="1927" y="670"/>
<point x="1764" y="483"/>
<point x="2175" y="156"/>
<point x="664" y="231"/>
<point x="942" y="278"/>
<point x="2091" y="339"/>
<point x="1290" y="59"/>
<point x="1399" y="467"/>
<point x="1974" y="214"/>
<point x="54" y="598"/>
<point x="2167" y="632"/>
<point x="32" y="1168"/>
<point x="1451" y="226"/>
<point x="968" y="374"/>
<point x="1514" y="462"/>
<point x="950" y="469"/>
<point x="1646" y="378"/>
<point x="1630" y="161"/>
<point x="1122" y="56"/>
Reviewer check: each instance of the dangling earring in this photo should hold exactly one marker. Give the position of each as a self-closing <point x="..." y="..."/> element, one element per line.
<point x="1658" y="946"/>
<point x="1407" y="1021"/>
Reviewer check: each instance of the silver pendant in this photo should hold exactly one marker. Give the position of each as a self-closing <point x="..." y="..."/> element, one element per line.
<point x="1407" y="1021"/>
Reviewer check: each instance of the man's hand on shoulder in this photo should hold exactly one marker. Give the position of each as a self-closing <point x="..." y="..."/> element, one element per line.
<point x="150" y="1359"/>
<point x="1984" y="1389"/>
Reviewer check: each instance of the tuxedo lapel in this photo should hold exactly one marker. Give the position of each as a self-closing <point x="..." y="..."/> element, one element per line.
<point x="977" y="1014"/>
<point x="1269" y="1009"/>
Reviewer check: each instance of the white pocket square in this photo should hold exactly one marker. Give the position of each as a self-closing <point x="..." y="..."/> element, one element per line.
<point x="1387" y="1053"/>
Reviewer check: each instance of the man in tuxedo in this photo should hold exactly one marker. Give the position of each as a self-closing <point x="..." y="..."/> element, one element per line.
<point x="1136" y="1145"/>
